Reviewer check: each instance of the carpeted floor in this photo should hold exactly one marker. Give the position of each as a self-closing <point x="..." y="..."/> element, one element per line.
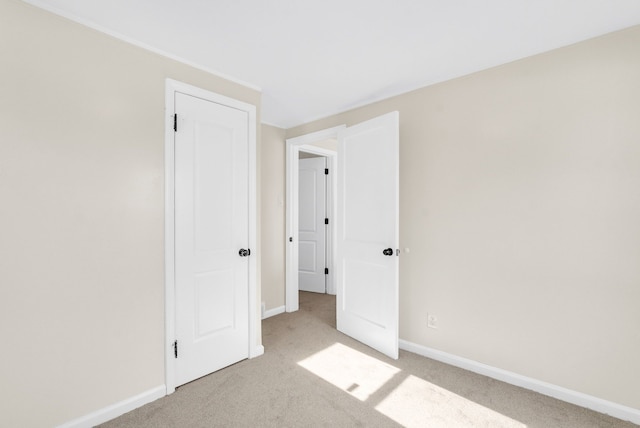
<point x="312" y="375"/>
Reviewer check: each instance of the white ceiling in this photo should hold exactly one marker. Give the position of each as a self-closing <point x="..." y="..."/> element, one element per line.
<point x="312" y="59"/>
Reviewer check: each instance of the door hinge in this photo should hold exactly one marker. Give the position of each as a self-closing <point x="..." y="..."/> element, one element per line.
<point x="326" y="171"/>
<point x="175" y="122"/>
<point x="326" y="221"/>
<point x="326" y="271"/>
<point x="175" y="349"/>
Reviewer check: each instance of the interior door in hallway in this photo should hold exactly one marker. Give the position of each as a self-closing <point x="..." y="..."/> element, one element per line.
<point x="311" y="224"/>
<point x="211" y="232"/>
<point x="367" y="224"/>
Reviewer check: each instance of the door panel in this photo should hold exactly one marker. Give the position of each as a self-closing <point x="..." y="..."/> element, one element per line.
<point x="213" y="166"/>
<point x="211" y="225"/>
<point x="311" y="227"/>
<point x="367" y="298"/>
<point x="307" y="261"/>
<point x="214" y="303"/>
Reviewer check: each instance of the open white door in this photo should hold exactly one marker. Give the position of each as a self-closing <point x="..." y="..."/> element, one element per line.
<point x="367" y="242"/>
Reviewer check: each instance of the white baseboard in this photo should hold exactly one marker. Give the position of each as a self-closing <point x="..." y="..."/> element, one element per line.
<point x="583" y="400"/>
<point x="117" y="409"/>
<point x="273" y="312"/>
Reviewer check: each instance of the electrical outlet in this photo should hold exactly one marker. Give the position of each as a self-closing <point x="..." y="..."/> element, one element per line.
<point x="432" y="321"/>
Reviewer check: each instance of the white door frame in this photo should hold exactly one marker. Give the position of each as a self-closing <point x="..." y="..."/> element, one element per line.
<point x="293" y="148"/>
<point x="254" y="345"/>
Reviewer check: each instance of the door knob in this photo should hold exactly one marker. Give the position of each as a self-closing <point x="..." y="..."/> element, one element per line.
<point x="244" y="253"/>
<point x="388" y="252"/>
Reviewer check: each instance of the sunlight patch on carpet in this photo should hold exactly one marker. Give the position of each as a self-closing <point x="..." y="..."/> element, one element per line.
<point x="402" y="397"/>
<point x="418" y="403"/>
<point x="353" y="372"/>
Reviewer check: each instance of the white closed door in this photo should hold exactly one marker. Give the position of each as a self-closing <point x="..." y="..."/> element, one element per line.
<point x="367" y="271"/>
<point x="311" y="224"/>
<point x="211" y="228"/>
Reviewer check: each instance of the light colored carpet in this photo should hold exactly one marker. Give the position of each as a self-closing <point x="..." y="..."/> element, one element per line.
<point x="312" y="375"/>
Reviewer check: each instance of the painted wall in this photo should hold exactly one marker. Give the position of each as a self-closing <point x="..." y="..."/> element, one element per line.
<point x="520" y="200"/>
<point x="81" y="217"/>
<point x="329" y="144"/>
<point x="272" y="190"/>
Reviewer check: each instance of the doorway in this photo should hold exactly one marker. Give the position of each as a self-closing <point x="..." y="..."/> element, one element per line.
<point x="317" y="144"/>
<point x="366" y="232"/>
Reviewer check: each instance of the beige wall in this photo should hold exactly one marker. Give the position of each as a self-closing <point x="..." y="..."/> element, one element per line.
<point x="305" y="155"/>
<point x="329" y="144"/>
<point x="81" y="215"/>
<point x="520" y="204"/>
<point x="272" y="185"/>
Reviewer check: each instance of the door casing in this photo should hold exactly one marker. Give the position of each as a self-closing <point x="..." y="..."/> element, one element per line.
<point x="255" y="345"/>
